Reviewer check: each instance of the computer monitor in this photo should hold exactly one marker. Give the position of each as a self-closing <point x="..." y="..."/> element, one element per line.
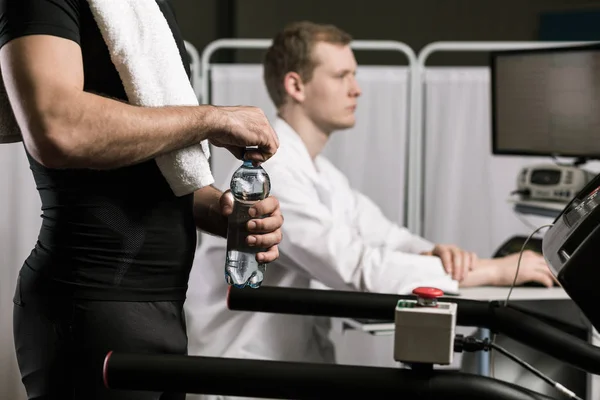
<point x="546" y="101"/>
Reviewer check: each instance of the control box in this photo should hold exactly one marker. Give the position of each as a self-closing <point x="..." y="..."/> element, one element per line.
<point x="425" y="329"/>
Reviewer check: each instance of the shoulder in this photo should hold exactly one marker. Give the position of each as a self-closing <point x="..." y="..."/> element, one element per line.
<point x="49" y="17"/>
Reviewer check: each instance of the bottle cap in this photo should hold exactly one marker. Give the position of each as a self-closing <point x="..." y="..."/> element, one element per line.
<point x="248" y="149"/>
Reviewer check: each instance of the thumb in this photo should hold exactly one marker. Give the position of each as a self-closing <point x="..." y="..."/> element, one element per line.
<point x="226" y="203"/>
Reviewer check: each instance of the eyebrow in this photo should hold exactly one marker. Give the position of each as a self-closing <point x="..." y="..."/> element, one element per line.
<point x="345" y="71"/>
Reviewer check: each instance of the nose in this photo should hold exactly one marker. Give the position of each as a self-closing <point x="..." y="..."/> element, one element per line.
<point x="355" y="89"/>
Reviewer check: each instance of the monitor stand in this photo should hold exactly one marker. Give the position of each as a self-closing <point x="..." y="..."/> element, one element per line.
<point x="577" y="162"/>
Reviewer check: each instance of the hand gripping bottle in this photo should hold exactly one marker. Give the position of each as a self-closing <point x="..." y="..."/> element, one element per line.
<point x="249" y="184"/>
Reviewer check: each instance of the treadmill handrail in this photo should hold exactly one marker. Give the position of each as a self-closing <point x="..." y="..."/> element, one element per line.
<point x="509" y="321"/>
<point x="289" y="380"/>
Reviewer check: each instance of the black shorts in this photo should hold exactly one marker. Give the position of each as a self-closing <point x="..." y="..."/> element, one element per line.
<point x="61" y="342"/>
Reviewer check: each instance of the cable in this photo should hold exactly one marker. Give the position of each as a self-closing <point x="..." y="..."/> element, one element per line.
<point x="536" y="372"/>
<point x="493" y="359"/>
<point x="492" y="356"/>
<point x="519" y="261"/>
<point x="472" y="344"/>
<point x="521" y="218"/>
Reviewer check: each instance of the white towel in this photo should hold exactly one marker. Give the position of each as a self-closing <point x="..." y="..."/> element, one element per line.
<point x="145" y="54"/>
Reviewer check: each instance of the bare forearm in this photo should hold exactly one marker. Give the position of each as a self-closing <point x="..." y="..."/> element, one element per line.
<point x="91" y="131"/>
<point x="480" y="277"/>
<point x="207" y="211"/>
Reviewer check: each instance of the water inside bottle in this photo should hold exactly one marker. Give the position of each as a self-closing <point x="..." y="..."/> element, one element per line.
<point x="241" y="266"/>
<point x="249" y="184"/>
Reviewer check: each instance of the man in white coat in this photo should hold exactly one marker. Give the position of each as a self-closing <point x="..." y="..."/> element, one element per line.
<point x="332" y="233"/>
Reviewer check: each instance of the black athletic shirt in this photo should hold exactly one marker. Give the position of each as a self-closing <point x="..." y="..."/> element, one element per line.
<point x="116" y="234"/>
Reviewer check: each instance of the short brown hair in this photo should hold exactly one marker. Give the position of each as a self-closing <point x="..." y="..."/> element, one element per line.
<point x="292" y="51"/>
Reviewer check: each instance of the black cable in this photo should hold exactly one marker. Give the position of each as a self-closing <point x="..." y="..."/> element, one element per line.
<point x="472" y="344"/>
<point x="523" y="363"/>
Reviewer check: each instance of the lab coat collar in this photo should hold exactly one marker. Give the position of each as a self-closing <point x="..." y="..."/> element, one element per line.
<point x="290" y="141"/>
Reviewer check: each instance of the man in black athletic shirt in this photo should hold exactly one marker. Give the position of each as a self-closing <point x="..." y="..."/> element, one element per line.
<point x="110" y="268"/>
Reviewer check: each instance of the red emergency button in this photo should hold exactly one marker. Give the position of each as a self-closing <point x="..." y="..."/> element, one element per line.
<point x="428" y="292"/>
<point x="427" y="296"/>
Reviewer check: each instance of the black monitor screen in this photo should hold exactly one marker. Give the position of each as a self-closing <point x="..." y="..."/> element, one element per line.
<point x="546" y="102"/>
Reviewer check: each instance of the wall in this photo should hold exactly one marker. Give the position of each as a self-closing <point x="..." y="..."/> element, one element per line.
<point x="197" y="20"/>
<point x="416" y="22"/>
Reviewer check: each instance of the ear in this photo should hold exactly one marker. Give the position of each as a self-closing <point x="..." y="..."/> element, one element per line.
<point x="294" y="87"/>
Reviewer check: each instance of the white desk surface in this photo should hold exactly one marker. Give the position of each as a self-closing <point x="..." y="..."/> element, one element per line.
<point x="483" y="293"/>
<point x="518" y="293"/>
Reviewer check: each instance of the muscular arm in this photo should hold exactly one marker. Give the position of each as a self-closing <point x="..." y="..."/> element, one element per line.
<point x="65" y="127"/>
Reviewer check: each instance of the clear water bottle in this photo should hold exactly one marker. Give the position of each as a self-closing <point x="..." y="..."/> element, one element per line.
<point x="249" y="184"/>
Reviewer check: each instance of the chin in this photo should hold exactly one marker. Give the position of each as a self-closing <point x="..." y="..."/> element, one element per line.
<point x="345" y="124"/>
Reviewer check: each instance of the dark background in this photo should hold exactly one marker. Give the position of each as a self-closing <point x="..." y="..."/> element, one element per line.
<point x="416" y="23"/>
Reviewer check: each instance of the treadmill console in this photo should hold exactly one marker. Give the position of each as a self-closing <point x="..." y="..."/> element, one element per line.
<point x="571" y="248"/>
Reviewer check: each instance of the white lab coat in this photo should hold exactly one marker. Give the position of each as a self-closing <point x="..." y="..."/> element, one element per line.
<point x="332" y="234"/>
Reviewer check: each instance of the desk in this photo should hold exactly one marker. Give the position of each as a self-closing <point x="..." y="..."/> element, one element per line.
<point x="518" y="293"/>
<point x="533" y="297"/>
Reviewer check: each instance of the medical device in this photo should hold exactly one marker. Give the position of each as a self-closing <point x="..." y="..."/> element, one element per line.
<point x="552" y="182"/>
<point x="571" y="248"/>
<point x="544" y="102"/>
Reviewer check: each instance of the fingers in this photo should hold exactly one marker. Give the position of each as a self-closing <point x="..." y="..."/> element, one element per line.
<point x="257" y="156"/>
<point x="273" y="141"/>
<point x="226" y="203"/>
<point x="533" y="259"/>
<point x="474" y="261"/>
<point x="268" y="206"/>
<point x="268" y="256"/>
<point x="462" y="262"/>
<point x="261" y="134"/>
<point x="446" y="256"/>
<point x="456" y="261"/>
<point x="237" y="128"/>
<point x="265" y="240"/>
<point x="262" y="154"/>
<point x="269" y="148"/>
<point x="265" y="232"/>
<point x="543" y="277"/>
<point x="266" y="225"/>
<point x="238" y="152"/>
<point x="469" y="260"/>
<point x="536" y="272"/>
<point x="458" y="264"/>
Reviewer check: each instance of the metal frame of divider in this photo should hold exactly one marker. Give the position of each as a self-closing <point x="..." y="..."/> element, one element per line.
<point x="374" y="45"/>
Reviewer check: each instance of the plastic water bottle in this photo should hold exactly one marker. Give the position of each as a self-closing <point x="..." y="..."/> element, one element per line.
<point x="249" y="184"/>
